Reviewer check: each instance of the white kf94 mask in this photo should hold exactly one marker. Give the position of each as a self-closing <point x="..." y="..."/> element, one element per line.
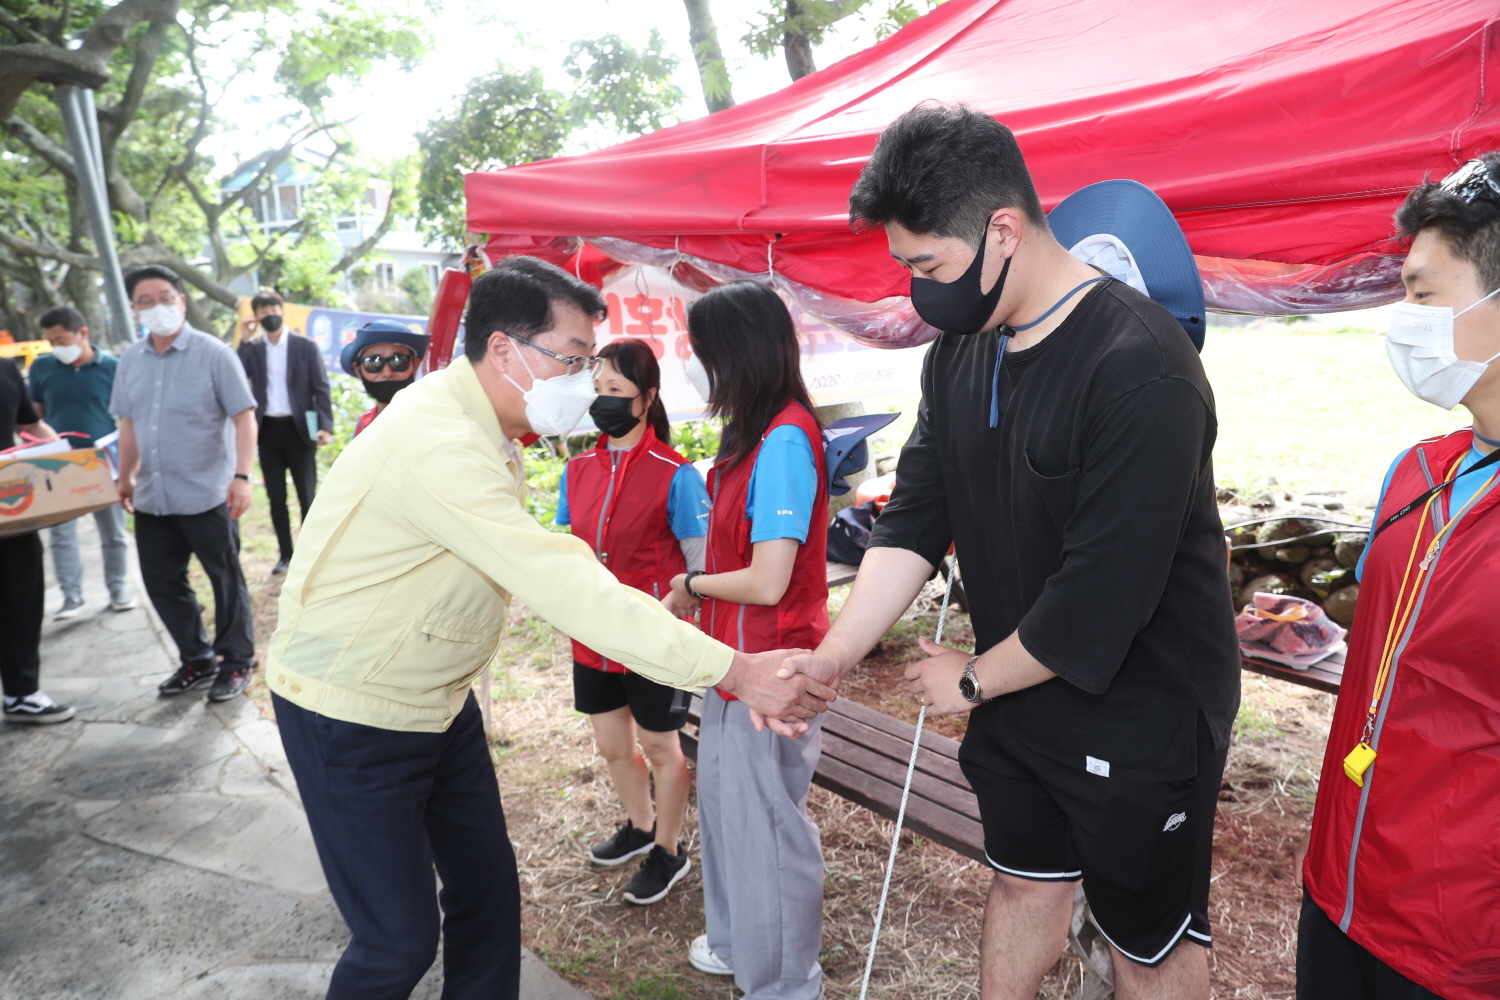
<point x="555" y="405"/>
<point x="1419" y="342"/>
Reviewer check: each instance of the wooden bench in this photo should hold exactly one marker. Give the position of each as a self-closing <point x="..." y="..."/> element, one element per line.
<point x="1324" y="676"/>
<point x="864" y="759"/>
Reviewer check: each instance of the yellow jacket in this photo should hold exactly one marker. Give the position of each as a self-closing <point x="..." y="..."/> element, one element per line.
<point x="397" y="594"/>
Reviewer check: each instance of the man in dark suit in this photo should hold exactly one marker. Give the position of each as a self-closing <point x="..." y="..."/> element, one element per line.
<point x="291" y="398"/>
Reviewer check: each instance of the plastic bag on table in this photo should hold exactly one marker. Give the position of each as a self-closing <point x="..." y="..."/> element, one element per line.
<point x="1292" y="626"/>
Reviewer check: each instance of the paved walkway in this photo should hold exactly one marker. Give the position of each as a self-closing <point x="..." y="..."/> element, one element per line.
<point x="155" y="847"/>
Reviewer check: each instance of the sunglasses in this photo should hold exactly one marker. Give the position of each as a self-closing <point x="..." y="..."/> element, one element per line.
<point x="374" y="364"/>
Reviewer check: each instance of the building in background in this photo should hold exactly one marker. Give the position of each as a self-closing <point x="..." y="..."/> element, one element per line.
<point x="398" y="276"/>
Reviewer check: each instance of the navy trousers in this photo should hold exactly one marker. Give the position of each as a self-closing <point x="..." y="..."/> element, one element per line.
<point x="387" y="808"/>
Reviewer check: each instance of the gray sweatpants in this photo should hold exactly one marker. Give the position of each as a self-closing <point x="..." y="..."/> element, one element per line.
<point x="762" y="858"/>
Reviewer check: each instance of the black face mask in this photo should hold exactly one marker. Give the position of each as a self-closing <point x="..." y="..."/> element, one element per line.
<point x="958" y="306"/>
<point x="270" y="323"/>
<point x="384" y="392"/>
<point x="613" y="416"/>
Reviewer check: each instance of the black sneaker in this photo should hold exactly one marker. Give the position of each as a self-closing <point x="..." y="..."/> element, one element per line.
<point x="659" y="872"/>
<point x="627" y="843"/>
<point x="228" y="684"/>
<point x="188" y="676"/>
<point x="37" y="709"/>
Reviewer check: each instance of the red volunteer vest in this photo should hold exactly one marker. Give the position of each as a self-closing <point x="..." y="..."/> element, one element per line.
<point x="621" y="512"/>
<point x="1409" y="865"/>
<point x="801" y="619"/>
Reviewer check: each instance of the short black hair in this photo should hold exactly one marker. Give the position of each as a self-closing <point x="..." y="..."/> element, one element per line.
<point x="67" y="317"/>
<point x="516" y="295"/>
<point x="1471" y="227"/>
<point x="140" y="274"/>
<point x="266" y="297"/>
<point x="943" y="170"/>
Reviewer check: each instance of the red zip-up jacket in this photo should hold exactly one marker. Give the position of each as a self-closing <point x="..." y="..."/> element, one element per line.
<point x="1409" y="865"/>
<point x="621" y="512"/>
<point x="800" y="619"/>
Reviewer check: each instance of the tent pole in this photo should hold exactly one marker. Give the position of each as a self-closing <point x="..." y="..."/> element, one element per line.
<point x="81" y="123"/>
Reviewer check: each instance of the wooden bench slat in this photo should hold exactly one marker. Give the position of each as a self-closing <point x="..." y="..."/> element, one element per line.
<point x="896" y="749"/>
<point x="936" y="742"/>
<point x="923" y="817"/>
<point x="955" y="797"/>
<point x="1324" y="676"/>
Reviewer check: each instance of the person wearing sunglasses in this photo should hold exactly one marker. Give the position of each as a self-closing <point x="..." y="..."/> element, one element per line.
<point x="395" y="602"/>
<point x="384" y="355"/>
<point x="1401" y="878"/>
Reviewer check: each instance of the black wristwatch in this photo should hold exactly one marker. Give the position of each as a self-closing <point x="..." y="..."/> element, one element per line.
<point x="241" y="475"/>
<point x="688" y="585"/>
<point x="968" y="686"/>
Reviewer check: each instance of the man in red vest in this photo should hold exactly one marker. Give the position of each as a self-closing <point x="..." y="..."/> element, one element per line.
<point x="1402" y="878"/>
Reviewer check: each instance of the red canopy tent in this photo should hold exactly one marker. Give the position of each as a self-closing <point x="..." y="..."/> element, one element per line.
<point x="1282" y="133"/>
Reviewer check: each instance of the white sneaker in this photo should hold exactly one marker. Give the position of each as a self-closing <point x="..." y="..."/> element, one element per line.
<point x="128" y="604"/>
<point x="702" y="958"/>
<point x="70" y="609"/>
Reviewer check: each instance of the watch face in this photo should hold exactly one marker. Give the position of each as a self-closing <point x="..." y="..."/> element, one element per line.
<point x="966" y="688"/>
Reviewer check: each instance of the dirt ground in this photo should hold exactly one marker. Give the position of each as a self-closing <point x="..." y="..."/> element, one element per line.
<point x="558" y="800"/>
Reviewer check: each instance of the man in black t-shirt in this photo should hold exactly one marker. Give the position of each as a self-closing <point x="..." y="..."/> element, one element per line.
<point x="1063" y="446"/>
<point x="22" y="588"/>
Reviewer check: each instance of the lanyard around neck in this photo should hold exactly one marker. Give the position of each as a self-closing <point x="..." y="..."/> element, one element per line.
<point x="1484" y="463"/>
<point x="1006" y="332"/>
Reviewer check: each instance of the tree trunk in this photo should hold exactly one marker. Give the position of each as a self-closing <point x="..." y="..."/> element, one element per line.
<point x="713" y="73"/>
<point x="798" y="47"/>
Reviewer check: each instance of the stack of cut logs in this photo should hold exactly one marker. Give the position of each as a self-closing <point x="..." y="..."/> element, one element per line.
<point x="1303" y="551"/>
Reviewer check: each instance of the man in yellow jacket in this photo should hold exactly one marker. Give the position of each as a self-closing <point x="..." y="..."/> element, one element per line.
<point x="395" y="601"/>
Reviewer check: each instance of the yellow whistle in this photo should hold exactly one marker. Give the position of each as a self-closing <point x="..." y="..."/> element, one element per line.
<point x="1358" y="762"/>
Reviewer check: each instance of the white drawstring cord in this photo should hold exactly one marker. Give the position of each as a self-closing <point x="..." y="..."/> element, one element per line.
<point x="911" y="770"/>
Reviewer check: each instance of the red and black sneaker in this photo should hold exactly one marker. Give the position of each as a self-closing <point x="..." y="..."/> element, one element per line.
<point x="188" y="676"/>
<point x="229" y="683"/>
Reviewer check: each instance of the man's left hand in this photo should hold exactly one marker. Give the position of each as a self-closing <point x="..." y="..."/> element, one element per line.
<point x="238" y="498"/>
<point x="935" y="679"/>
<point x="324" y="438"/>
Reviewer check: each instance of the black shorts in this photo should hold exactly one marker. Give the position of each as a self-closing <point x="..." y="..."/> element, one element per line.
<point x="1143" y="849"/>
<point x="656" y="707"/>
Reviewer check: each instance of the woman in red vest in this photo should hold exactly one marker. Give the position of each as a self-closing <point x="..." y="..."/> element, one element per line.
<point x="1402" y="877"/>
<point x="644" y="510"/>
<point x="764" y="587"/>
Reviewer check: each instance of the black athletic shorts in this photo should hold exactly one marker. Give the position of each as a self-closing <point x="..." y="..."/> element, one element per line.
<point x="1143" y="849"/>
<point x="656" y="707"/>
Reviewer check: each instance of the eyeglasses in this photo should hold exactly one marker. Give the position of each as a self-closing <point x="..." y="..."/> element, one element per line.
<point x="374" y="364"/>
<point x="146" y="303"/>
<point x="575" y="362"/>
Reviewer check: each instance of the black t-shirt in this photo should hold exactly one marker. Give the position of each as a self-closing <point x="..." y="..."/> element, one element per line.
<point x="1087" y="519"/>
<point x="15" y="403"/>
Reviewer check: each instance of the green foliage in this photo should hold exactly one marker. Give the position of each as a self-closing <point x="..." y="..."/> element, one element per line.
<point x="631" y="91"/>
<point x="350" y="401"/>
<point x="418" y="288"/>
<point x="509" y="116"/>
<point x="342" y="42"/>
<point x="813" y="18"/>
<point x="696" y="440"/>
<point x="544" y="469"/>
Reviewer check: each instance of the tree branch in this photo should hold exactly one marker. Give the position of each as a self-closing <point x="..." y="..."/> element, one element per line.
<point x="31" y="248"/>
<point x="20" y="28"/>
<point x="369" y="243"/>
<point x="56" y="155"/>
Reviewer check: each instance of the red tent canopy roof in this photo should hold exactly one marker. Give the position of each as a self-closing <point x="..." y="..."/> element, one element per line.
<point x="1278" y="130"/>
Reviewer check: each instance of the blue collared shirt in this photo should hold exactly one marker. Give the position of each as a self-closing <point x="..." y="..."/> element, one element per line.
<point x="180" y="403"/>
<point x="75" y="398"/>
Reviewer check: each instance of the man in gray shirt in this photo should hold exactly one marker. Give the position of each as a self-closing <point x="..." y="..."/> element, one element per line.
<point x="187" y="446"/>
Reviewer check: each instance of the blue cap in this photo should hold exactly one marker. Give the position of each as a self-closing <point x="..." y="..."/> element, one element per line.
<point x="383" y="331"/>
<point x="1124" y="228"/>
<point x="846" y="450"/>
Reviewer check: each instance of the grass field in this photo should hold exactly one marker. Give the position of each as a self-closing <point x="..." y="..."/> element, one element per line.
<point x="1312" y="402"/>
